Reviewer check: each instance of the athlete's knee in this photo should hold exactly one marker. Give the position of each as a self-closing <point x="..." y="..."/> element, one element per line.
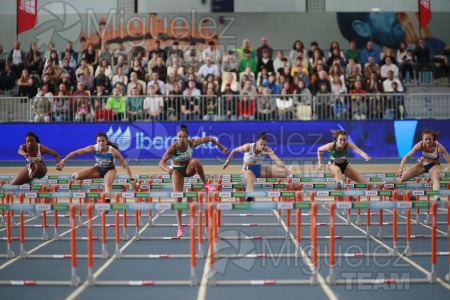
<point x="75" y="176"/>
<point x="195" y="162"/>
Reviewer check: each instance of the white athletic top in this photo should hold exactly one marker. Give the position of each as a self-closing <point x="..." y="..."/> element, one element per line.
<point x="38" y="157"/>
<point x="252" y="158"/>
<point x="430" y="155"/>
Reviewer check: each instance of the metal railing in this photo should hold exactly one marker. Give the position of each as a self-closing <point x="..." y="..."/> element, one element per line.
<point x="226" y="107"/>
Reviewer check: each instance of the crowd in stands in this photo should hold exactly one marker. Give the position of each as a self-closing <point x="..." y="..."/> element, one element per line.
<point x="202" y="83"/>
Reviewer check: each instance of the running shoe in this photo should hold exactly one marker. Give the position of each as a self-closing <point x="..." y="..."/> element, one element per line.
<point x="180" y="232"/>
<point x="250" y="199"/>
<point x="31" y="170"/>
<point x="340" y="185"/>
<point x="436" y="198"/>
<point x="209" y="187"/>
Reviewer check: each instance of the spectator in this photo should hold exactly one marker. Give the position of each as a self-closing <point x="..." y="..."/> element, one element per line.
<point x="195" y="92"/>
<point x="359" y="104"/>
<point x="54" y="60"/>
<point x="208" y="68"/>
<point x="353" y="52"/>
<point x="161" y="69"/>
<point x="7" y="80"/>
<point x="230" y="64"/>
<point x="103" y="114"/>
<point x="120" y="51"/>
<point x="42" y="106"/>
<point x="17" y="58"/>
<point x="175" y="50"/>
<point x="137" y="68"/>
<point x="133" y="82"/>
<point x="315" y="60"/>
<point x="91" y="56"/>
<point x="107" y="68"/>
<point x="27" y="88"/>
<point x="266" y="106"/>
<point x="229" y="105"/>
<point x="61" y="107"/>
<point x="172" y="105"/>
<point x="423" y="60"/>
<point x="323" y="102"/>
<point x="313" y="47"/>
<point x="230" y="82"/>
<point x="285" y="106"/>
<point x="336" y="56"/>
<point x="213" y="53"/>
<point x="264" y="46"/>
<point x="374" y="86"/>
<point x="272" y="85"/>
<point x="407" y="66"/>
<point x="371" y="66"/>
<point x="73" y="53"/>
<point x="388" y="66"/>
<point x="341" y="108"/>
<point x="246" y="108"/>
<point x="387" y="52"/>
<point x="87" y="79"/>
<point x="102" y="79"/>
<point x="51" y="47"/>
<point x="121" y="78"/>
<point x="210" y="112"/>
<point x="387" y="83"/>
<point x="247" y="61"/>
<point x="190" y="106"/>
<point x="280" y="61"/>
<point x="263" y="77"/>
<point x="370" y="51"/>
<point x="105" y="53"/>
<point x="209" y="83"/>
<point x="265" y="62"/>
<point x="117" y="103"/>
<point x="34" y="62"/>
<point x="176" y="69"/>
<point x="135" y="105"/>
<point x="156" y="80"/>
<point x="121" y="62"/>
<point x="157" y="49"/>
<point x="83" y="113"/>
<point x="67" y="69"/>
<point x="80" y="70"/>
<point x="246" y="47"/>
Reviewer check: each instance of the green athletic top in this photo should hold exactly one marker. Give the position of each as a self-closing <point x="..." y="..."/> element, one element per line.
<point x="185" y="156"/>
<point x="338" y="156"/>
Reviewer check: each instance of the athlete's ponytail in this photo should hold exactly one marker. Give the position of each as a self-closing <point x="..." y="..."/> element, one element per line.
<point x="33" y="135"/>
<point x="183" y="128"/>
<point x="262" y="136"/>
<point x="336" y="133"/>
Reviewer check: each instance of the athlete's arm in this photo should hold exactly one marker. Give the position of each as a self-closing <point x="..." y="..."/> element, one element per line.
<point x="81" y="151"/>
<point x="116" y="154"/>
<point x="417" y="147"/>
<point x="274" y="157"/>
<point x="208" y="139"/>
<point x="444" y="153"/>
<point x="243" y="148"/>
<point x="359" y="151"/>
<point x="162" y="163"/>
<point x="47" y="150"/>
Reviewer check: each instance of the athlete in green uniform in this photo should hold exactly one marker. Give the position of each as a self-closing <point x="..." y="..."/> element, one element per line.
<point x="338" y="163"/>
<point x="183" y="165"/>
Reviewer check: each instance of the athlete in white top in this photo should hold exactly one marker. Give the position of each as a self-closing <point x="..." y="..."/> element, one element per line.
<point x="34" y="154"/>
<point x="428" y="163"/>
<point x="254" y="154"/>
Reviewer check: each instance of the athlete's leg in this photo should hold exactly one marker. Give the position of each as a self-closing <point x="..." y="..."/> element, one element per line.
<point x="177" y="184"/>
<point x="89" y="173"/>
<point x="249" y="178"/>
<point x="413" y="171"/>
<point x="434" y="174"/>
<point x="195" y="167"/>
<point x="41" y="170"/>
<point x="21" y="178"/>
<point x="109" y="179"/>
<point x="336" y="172"/>
<point x="273" y="172"/>
<point x="353" y="174"/>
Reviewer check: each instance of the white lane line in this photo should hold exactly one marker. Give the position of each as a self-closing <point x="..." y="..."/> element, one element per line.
<point x="417" y="266"/>
<point x="85" y="284"/>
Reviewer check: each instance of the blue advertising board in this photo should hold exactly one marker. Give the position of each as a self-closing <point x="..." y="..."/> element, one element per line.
<point x="149" y="140"/>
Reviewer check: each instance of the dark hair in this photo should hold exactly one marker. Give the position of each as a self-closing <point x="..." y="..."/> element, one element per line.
<point x="183" y="128"/>
<point x="429" y="131"/>
<point x="336" y="133"/>
<point x="32" y="134"/>
<point x="298" y="41"/>
<point x="262" y="136"/>
<point x="108" y="142"/>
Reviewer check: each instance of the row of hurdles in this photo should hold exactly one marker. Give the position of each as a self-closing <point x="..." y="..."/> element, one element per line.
<point x="208" y="214"/>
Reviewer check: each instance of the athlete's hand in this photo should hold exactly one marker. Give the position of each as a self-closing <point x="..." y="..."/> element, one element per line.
<point x="225" y="165"/>
<point x="133" y="183"/>
<point x="320" y="167"/>
<point x="399" y="174"/>
<point x="225" y="150"/>
<point x="368" y="158"/>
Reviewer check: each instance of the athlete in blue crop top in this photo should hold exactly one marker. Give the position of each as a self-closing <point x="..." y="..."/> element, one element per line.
<point x="105" y="152"/>
<point x="183" y="165"/>
<point x="338" y="163"/>
<point x="34" y="154"/>
<point x="254" y="154"/>
<point x="429" y="162"/>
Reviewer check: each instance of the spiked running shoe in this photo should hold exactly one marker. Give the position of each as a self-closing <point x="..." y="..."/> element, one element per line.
<point x="340" y="185"/>
<point x="250" y="199"/>
<point x="180" y="232"/>
<point x="209" y="187"/>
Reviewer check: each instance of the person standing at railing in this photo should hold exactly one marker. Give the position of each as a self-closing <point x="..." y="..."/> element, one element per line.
<point x="34" y="154"/>
<point x="429" y="162"/>
<point x="117" y="103"/>
<point x="183" y="165"/>
<point x="105" y="153"/>
<point x="254" y="154"/>
<point x="338" y="163"/>
<point x="42" y="106"/>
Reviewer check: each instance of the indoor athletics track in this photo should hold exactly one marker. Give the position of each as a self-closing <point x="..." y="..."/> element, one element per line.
<point x="300" y="239"/>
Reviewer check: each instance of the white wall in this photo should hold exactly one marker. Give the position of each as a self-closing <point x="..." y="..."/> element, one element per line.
<point x="383" y="5"/>
<point x="57" y="7"/>
<point x="270" y="6"/>
<point x="173" y="6"/>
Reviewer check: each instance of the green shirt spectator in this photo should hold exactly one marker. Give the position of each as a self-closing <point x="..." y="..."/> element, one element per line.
<point x="117" y="103"/>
